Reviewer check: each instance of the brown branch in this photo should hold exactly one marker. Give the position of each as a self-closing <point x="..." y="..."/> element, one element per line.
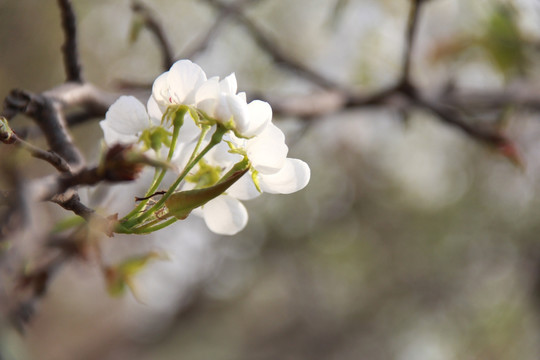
<point x="92" y="99"/>
<point x="451" y="117"/>
<point x="154" y="26"/>
<point x="17" y="214"/>
<point x="49" y="156"/>
<point x="48" y="115"/>
<point x="223" y="15"/>
<point x="72" y="202"/>
<point x="35" y="286"/>
<point x="398" y="97"/>
<point x="69" y="49"/>
<point x="31" y="287"/>
<point x="205" y="41"/>
<point x="410" y="36"/>
<point x="120" y="163"/>
<point x="279" y="56"/>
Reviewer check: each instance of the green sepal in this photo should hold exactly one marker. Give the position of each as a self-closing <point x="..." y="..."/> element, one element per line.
<point x="194" y="115"/>
<point x="206" y="175"/>
<point x="182" y="203"/>
<point x="255" y="178"/>
<point x="155" y="137"/>
<point x="175" y="115"/>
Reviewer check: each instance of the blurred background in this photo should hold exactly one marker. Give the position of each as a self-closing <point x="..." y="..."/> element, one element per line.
<point x="412" y="241"/>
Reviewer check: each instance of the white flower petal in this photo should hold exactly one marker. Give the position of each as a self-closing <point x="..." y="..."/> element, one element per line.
<point x="154" y="111"/>
<point x="219" y="155"/>
<point x="184" y="79"/>
<point x="292" y="177"/>
<point x="222" y="111"/>
<point x="127" y="115"/>
<point x="229" y="84"/>
<point x="114" y="137"/>
<point x="207" y="96"/>
<point x="260" y="115"/>
<point x="268" y="151"/>
<point x="208" y="90"/>
<point x="244" y="188"/>
<point x="160" y="90"/>
<point x="239" y="111"/>
<point x="225" y="215"/>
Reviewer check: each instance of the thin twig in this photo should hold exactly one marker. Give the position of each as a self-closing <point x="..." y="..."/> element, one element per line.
<point x="49" y="156"/>
<point x="17" y="215"/>
<point x="154" y="26"/>
<point x="450" y="117"/>
<point x="410" y="36"/>
<point x="223" y="15"/>
<point x="73" y="203"/>
<point x="205" y="41"/>
<point x="69" y="49"/>
<point x="280" y="57"/>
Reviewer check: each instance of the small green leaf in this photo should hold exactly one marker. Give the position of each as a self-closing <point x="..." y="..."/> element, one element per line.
<point x="121" y="275"/>
<point x="503" y="42"/>
<point x="67" y="223"/>
<point x="135" y="264"/>
<point x="137" y="25"/>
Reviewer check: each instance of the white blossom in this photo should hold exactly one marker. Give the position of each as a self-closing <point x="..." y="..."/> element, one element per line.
<point x="125" y="121"/>
<point x="275" y="173"/>
<point x="252" y="134"/>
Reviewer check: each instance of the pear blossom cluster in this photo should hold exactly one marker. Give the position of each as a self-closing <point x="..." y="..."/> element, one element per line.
<point x="208" y="106"/>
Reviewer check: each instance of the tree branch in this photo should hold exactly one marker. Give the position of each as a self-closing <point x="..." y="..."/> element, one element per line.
<point x="49" y="156"/>
<point x="49" y="116"/>
<point x="154" y="26"/>
<point x="69" y="49"/>
<point x="203" y="43"/>
<point x="410" y="36"/>
<point x="280" y="57"/>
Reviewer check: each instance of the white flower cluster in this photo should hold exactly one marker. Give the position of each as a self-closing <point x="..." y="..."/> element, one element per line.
<point x="251" y="134"/>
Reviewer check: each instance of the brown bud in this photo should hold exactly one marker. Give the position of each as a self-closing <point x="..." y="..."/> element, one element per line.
<point x="120" y="164"/>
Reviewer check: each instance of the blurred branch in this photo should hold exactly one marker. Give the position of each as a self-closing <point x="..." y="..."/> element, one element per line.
<point x="203" y="43"/>
<point x="400" y="97"/>
<point x="89" y="101"/>
<point x="337" y="98"/>
<point x="224" y="13"/>
<point x="154" y="26"/>
<point x="49" y="156"/>
<point x="69" y="49"/>
<point x="410" y="36"/>
<point x="119" y="164"/>
<point x="449" y="116"/>
<point x="279" y="56"/>
<point x="48" y="115"/>
<point x="72" y="202"/>
<point x="16" y="215"/>
<point x="34" y="285"/>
